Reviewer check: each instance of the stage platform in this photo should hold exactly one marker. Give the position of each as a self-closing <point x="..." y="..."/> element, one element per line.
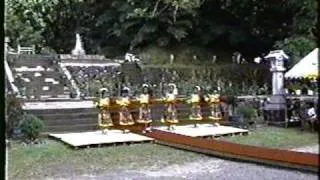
<point x="205" y="130"/>
<point x="96" y="138"/>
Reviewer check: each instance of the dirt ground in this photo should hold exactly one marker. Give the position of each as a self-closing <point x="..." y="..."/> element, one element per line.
<point x="205" y="168"/>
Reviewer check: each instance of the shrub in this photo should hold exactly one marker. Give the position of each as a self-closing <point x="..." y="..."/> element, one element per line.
<point x="14" y="113"/>
<point x="31" y="127"/>
<point x="247" y="112"/>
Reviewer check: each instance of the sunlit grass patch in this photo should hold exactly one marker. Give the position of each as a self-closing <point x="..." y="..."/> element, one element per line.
<point x="274" y="137"/>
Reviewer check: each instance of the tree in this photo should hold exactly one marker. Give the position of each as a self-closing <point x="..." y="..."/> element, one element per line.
<point x="277" y="24"/>
<point x="132" y="23"/>
<point x="113" y="27"/>
<point x="302" y="41"/>
<point x="18" y="27"/>
<point x="44" y="23"/>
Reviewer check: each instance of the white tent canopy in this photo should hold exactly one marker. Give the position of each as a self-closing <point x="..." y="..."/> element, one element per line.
<point x="306" y="66"/>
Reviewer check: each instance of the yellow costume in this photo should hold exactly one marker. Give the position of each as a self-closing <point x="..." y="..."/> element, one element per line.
<point x="145" y="110"/>
<point x="104" y="117"/>
<point x="215" y="112"/>
<point x="125" y="117"/>
<point x="170" y="114"/>
<point x="195" y="101"/>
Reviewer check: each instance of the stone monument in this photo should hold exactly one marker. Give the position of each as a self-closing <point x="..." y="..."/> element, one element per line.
<point x="277" y="105"/>
<point x="78" y="49"/>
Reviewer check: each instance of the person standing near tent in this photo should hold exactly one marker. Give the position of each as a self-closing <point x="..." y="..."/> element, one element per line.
<point x="311" y="117"/>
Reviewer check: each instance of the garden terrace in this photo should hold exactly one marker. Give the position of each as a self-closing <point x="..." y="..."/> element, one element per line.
<point x="252" y="78"/>
<point x="91" y="77"/>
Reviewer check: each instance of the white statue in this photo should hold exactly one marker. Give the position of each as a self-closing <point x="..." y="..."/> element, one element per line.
<point x="78" y="49"/>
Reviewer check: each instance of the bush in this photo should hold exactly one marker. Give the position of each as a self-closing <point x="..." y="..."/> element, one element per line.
<point x="247" y="112"/>
<point x="14" y="113"/>
<point x="31" y="127"/>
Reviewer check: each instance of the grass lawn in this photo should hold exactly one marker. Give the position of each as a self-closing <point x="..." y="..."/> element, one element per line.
<point x="54" y="159"/>
<point x="274" y="137"/>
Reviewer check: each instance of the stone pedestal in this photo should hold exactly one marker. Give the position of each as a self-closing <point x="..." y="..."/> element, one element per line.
<point x="276" y="110"/>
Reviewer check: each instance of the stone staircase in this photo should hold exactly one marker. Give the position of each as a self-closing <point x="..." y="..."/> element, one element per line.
<point x="67" y="120"/>
<point x="38" y="76"/>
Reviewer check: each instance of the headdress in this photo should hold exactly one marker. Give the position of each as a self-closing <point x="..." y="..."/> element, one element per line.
<point x="172" y="85"/>
<point x="175" y="89"/>
<point x="102" y="90"/>
<point x="145" y="86"/>
<point x="198" y="88"/>
<point x="125" y="90"/>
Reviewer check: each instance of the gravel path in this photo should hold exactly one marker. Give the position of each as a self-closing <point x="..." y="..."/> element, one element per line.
<point x="206" y="169"/>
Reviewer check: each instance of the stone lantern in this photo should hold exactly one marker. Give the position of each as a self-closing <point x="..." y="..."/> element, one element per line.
<point x="276" y="107"/>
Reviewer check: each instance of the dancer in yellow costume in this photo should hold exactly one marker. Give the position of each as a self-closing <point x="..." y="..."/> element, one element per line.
<point x="215" y="112"/>
<point x="145" y="110"/>
<point x="170" y="114"/>
<point x="104" y="117"/>
<point x="195" y="101"/>
<point x="125" y="117"/>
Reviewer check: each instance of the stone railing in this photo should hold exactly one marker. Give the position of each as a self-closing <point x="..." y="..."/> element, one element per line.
<point x="70" y="78"/>
<point x="26" y="50"/>
<point x="10" y="78"/>
<point x="70" y="56"/>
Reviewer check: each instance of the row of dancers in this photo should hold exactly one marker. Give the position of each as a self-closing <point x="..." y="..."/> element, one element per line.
<point x="170" y="112"/>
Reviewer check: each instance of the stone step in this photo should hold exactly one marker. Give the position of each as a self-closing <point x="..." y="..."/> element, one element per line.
<point x="71" y="128"/>
<point x="63" y="111"/>
<point x="71" y="122"/>
<point x="49" y="117"/>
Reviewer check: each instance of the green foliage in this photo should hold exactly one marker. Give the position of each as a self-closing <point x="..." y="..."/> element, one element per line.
<point x="247" y="112"/>
<point x="41" y="22"/>
<point x="133" y="23"/>
<point x="31" y="127"/>
<point x="14" y="113"/>
<point x="113" y="27"/>
<point x="18" y="27"/>
<point x="296" y="47"/>
<point x="183" y="55"/>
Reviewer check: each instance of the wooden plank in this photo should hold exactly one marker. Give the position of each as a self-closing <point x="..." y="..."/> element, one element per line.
<point x="97" y="137"/>
<point x="203" y="130"/>
<point x="276" y="156"/>
<point x="240" y="158"/>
